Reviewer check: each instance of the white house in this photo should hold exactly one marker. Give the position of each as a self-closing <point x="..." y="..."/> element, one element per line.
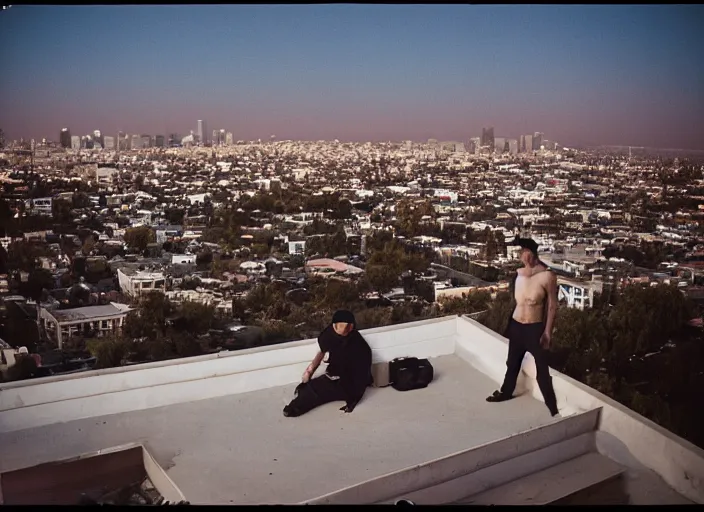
<point x="298" y="247"/>
<point x="61" y="324"/>
<point x="136" y="282"/>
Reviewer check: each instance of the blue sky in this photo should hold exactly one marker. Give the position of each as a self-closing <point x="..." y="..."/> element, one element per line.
<point x="581" y="74"/>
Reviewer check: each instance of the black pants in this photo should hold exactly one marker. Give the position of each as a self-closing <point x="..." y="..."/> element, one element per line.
<point x="524" y="338"/>
<point x="314" y="393"/>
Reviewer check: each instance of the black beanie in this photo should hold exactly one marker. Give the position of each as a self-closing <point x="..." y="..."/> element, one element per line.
<point x="343" y="316"/>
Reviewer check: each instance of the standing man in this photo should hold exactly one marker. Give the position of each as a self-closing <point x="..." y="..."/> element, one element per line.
<point x="349" y="370"/>
<point x="534" y="290"/>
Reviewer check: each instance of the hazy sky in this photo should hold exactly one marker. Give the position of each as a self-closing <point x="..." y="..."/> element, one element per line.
<point x="621" y="75"/>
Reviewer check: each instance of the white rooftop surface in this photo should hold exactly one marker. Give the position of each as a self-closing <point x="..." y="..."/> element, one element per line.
<point x="215" y="423"/>
<point x="241" y="449"/>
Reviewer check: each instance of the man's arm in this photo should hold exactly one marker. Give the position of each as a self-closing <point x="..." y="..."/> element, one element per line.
<point x="512" y="291"/>
<point x="551" y="304"/>
<point x="313" y="366"/>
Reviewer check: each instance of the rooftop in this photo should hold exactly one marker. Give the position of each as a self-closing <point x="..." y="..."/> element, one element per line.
<point x="240" y="448"/>
<point x="215" y="424"/>
<point x="89" y="312"/>
<point x="137" y="274"/>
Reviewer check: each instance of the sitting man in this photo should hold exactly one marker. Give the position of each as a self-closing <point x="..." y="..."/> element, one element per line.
<point x="349" y="370"/>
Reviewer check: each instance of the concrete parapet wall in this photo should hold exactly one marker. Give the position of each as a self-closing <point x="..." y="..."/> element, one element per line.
<point x="623" y="435"/>
<point x="49" y="400"/>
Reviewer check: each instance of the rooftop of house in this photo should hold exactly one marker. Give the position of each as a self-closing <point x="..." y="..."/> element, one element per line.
<point x="215" y="424"/>
<point x="88" y="313"/>
<point x="141" y="275"/>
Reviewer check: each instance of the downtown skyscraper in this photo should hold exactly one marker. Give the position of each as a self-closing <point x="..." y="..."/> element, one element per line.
<point x="537" y="140"/>
<point x="65" y="138"/>
<point x="488" y="137"/>
<point x="202" y="132"/>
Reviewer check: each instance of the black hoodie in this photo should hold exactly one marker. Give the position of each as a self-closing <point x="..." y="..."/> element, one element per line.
<point x="350" y="359"/>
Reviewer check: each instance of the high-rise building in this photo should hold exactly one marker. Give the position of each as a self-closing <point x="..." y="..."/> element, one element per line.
<point x="125" y="142"/>
<point x="513" y="146"/>
<point x="527" y="144"/>
<point x="174" y="139"/>
<point x="98" y="138"/>
<point x="65" y="138"/>
<point x="228" y="138"/>
<point x="216" y="136"/>
<point x="159" y="141"/>
<point x="488" y="137"/>
<point x="221" y="137"/>
<point x="202" y="132"/>
<point x="500" y="145"/>
<point x="2" y="139"/>
<point x="537" y="140"/>
<point x="188" y="140"/>
<point x="550" y="145"/>
<point x="475" y="145"/>
<point x="75" y="142"/>
<point x="136" y="142"/>
<point x="145" y="141"/>
<point x="109" y="142"/>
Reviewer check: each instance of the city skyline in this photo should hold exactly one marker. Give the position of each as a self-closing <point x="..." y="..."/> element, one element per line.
<point x="599" y="75"/>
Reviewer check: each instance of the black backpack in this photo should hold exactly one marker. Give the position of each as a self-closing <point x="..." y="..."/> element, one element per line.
<point x="407" y="373"/>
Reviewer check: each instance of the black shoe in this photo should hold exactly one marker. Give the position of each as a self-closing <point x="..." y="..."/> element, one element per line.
<point x="498" y="396"/>
<point x="291" y="412"/>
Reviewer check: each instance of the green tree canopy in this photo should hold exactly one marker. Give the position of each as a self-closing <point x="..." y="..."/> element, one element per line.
<point x="139" y="238"/>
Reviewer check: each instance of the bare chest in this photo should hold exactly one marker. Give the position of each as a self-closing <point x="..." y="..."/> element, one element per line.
<point x="530" y="290"/>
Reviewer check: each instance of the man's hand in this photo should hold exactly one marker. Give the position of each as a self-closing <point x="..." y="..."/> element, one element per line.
<point x="347" y="408"/>
<point x="306" y="376"/>
<point x="545" y="340"/>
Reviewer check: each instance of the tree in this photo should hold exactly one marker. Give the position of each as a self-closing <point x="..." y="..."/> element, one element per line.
<point x="204" y="258"/>
<point x="374" y="317"/>
<point x="6" y="217"/>
<point x="335" y="294"/>
<point x="260" y="250"/>
<point x="110" y="351"/>
<point x="582" y="337"/>
<point x="39" y="279"/>
<point x="174" y="215"/>
<point x="277" y="331"/>
<point x="195" y="318"/>
<point x="88" y="245"/>
<point x="25" y="367"/>
<point x="344" y="209"/>
<point x="644" y="318"/>
<point x="81" y="200"/>
<point x="491" y="247"/>
<point x="23" y="255"/>
<point x="3" y="260"/>
<point x="500" y="240"/>
<point x="139" y="238"/>
<point x="409" y="216"/>
<point x="149" y="320"/>
<point x="498" y="315"/>
<point x="472" y="302"/>
<point x="381" y="277"/>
